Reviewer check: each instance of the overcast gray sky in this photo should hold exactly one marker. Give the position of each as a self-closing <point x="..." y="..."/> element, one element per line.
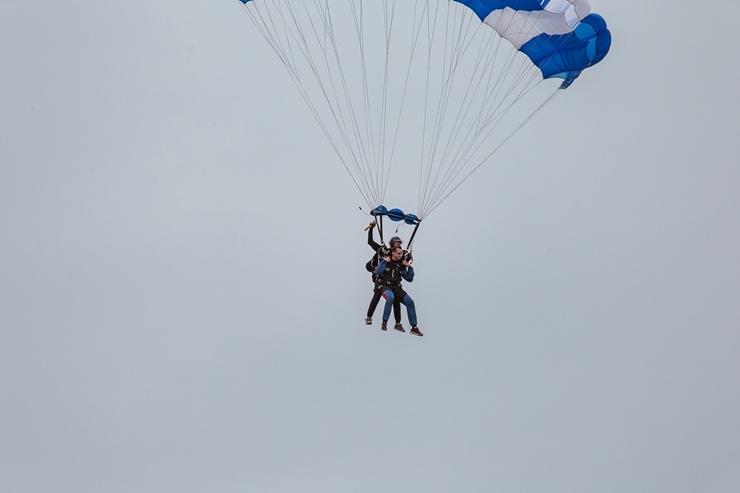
<point x="182" y="289"/>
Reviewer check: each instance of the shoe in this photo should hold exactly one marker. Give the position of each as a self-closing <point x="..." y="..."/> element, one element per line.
<point x="399" y="327"/>
<point x="384" y="325"/>
<point x="415" y="330"/>
<point x="368" y="321"/>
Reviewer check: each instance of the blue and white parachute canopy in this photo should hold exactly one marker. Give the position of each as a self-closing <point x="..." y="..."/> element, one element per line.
<point x="561" y="37"/>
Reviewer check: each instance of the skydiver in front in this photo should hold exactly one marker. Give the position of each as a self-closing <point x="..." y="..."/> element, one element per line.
<point x="392" y="270"/>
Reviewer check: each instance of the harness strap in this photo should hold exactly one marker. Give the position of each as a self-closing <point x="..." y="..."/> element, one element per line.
<point x="413" y="234"/>
<point x="380" y="229"/>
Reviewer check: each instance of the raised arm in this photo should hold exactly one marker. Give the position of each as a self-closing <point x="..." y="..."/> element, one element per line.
<point x="370" y="240"/>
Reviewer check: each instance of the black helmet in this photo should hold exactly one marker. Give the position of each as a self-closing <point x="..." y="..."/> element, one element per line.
<point x="393" y="240"/>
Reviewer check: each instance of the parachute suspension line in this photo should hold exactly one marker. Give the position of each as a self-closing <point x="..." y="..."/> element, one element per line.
<point x="457" y="47"/>
<point x="346" y="124"/>
<point x="414" y="40"/>
<point x="430" y="44"/>
<point x="415" y="36"/>
<point x="364" y="170"/>
<point x="497" y="113"/>
<point x="465" y="153"/>
<point x="284" y="52"/>
<point x="436" y="128"/>
<point x="324" y="37"/>
<point x="454" y="29"/>
<point x="468" y="153"/>
<point x="463" y="108"/>
<point x="379" y="171"/>
<point x="469" y="94"/>
<point x="287" y="57"/>
<point x="388" y="26"/>
<point x="521" y="125"/>
<point x="357" y="151"/>
<point x="371" y="159"/>
<point x="377" y="146"/>
<point x="425" y="176"/>
<point x="363" y="164"/>
<point x="272" y="40"/>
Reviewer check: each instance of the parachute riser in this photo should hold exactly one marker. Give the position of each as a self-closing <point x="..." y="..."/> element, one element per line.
<point x="413" y="234"/>
<point x="380" y="228"/>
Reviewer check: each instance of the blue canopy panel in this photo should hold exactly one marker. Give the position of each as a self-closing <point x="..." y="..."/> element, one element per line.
<point x="580" y="41"/>
<point x="483" y="8"/>
<point x="566" y="56"/>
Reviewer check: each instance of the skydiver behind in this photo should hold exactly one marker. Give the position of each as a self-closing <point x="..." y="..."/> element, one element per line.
<point x="392" y="270"/>
<point x="380" y="252"/>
